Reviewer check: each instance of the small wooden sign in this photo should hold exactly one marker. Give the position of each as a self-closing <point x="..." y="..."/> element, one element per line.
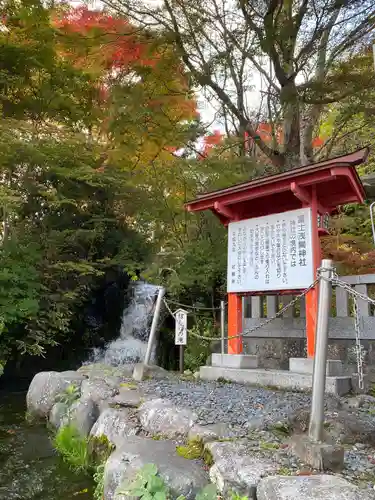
<point x="181" y="327"/>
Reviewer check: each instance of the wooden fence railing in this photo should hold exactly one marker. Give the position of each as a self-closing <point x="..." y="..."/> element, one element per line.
<point x="292" y="324"/>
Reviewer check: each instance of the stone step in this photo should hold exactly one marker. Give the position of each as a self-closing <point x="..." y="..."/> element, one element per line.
<point x="234" y="360"/>
<point x="283" y="379"/>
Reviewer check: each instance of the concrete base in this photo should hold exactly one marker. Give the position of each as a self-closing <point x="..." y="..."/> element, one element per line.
<point x="320" y="456"/>
<point x="140" y="372"/>
<point x="234" y="360"/>
<point x="276" y="378"/>
<point x="306" y="365"/>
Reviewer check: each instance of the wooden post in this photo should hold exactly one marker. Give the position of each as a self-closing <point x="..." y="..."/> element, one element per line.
<point x="234" y="323"/>
<point x="182" y="361"/>
<point x="312" y="295"/>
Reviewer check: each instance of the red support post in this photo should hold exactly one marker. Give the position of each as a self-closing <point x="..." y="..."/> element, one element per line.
<point x="312" y="295"/>
<point x="234" y="323"/>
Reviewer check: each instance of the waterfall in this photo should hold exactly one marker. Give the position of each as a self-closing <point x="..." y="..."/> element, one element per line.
<point x="130" y="347"/>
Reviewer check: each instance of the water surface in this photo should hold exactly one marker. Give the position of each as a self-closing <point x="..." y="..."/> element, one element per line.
<point x="29" y="467"/>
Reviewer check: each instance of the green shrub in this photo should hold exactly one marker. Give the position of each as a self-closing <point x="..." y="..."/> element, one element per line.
<point x="73" y="448"/>
<point x="198" y="350"/>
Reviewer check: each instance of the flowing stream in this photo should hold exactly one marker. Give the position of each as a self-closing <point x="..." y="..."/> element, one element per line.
<point x="30" y="469"/>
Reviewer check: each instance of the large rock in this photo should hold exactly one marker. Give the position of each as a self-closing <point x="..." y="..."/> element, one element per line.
<point x="129" y="397"/>
<point x="97" y="390"/>
<point x="183" y="477"/>
<point x="103" y="371"/>
<point x="45" y="387"/>
<point x="160" y="417"/>
<point x="58" y="414"/>
<point x="115" y="425"/>
<point x="83" y="415"/>
<point x="142" y="371"/>
<point x="236" y="468"/>
<point x="212" y="432"/>
<point x="309" y="488"/>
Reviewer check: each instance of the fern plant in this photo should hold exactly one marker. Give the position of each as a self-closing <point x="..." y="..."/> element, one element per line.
<point x="99" y="482"/>
<point x="73" y="448"/>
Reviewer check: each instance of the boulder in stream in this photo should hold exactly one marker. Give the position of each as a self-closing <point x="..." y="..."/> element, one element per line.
<point x="46" y="387"/>
<point x="115" y="425"/>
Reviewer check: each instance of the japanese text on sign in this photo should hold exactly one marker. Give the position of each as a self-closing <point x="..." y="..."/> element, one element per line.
<point x="271" y="253"/>
<point x="181" y="327"/>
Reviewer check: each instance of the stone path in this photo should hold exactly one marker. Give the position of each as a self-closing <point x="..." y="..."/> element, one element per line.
<point x="245" y="431"/>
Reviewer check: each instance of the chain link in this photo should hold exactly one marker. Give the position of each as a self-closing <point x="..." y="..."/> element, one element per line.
<point x="249" y="332"/>
<point x="336" y="281"/>
<point x="357" y="322"/>
<point x="358" y="345"/>
<point x="194" y="308"/>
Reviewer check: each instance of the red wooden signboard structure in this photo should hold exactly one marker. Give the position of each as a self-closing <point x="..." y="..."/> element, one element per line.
<point x="321" y="186"/>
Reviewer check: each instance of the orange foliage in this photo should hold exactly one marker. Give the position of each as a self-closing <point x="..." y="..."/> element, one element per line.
<point x="210" y="141"/>
<point x="264" y="131"/>
<point x="116" y="41"/>
<point x="351" y="255"/>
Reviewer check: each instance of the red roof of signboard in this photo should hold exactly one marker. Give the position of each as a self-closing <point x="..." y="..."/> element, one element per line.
<point x="335" y="181"/>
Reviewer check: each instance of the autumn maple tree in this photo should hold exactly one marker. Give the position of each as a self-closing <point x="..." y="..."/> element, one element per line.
<point x="141" y="85"/>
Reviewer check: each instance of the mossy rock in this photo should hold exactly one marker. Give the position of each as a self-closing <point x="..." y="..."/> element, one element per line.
<point x="99" y="448"/>
<point x="193" y="450"/>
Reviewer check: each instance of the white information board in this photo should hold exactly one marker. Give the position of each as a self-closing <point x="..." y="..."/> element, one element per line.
<point x="271" y="253"/>
<point x="181" y="327"/>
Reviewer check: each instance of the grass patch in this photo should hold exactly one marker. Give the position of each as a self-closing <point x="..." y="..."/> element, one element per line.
<point x="284" y="471"/>
<point x="280" y="429"/>
<point x="223" y="380"/>
<point x="208" y="458"/>
<point x="73" y="448"/>
<point x="192" y="451"/>
<point x="129" y="385"/>
<point x="158" y="437"/>
<point x="99" y="482"/>
<point x="263" y="445"/>
<point x="80" y="453"/>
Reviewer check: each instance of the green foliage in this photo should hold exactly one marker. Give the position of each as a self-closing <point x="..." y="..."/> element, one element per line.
<point x="70" y="395"/>
<point x="99" y="482"/>
<point x="73" y="448"/>
<point x="237" y="496"/>
<point x="149" y="485"/>
<point x="264" y="445"/>
<point x="197" y="350"/>
<point x="209" y="492"/>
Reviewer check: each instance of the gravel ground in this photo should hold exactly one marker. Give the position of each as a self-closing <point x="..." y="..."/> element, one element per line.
<point x="239" y="405"/>
<point x="249" y="410"/>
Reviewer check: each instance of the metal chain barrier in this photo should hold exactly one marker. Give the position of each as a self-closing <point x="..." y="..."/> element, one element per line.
<point x="186" y="306"/>
<point x="335" y="280"/>
<point x="357" y="322"/>
<point x="249" y="332"/>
